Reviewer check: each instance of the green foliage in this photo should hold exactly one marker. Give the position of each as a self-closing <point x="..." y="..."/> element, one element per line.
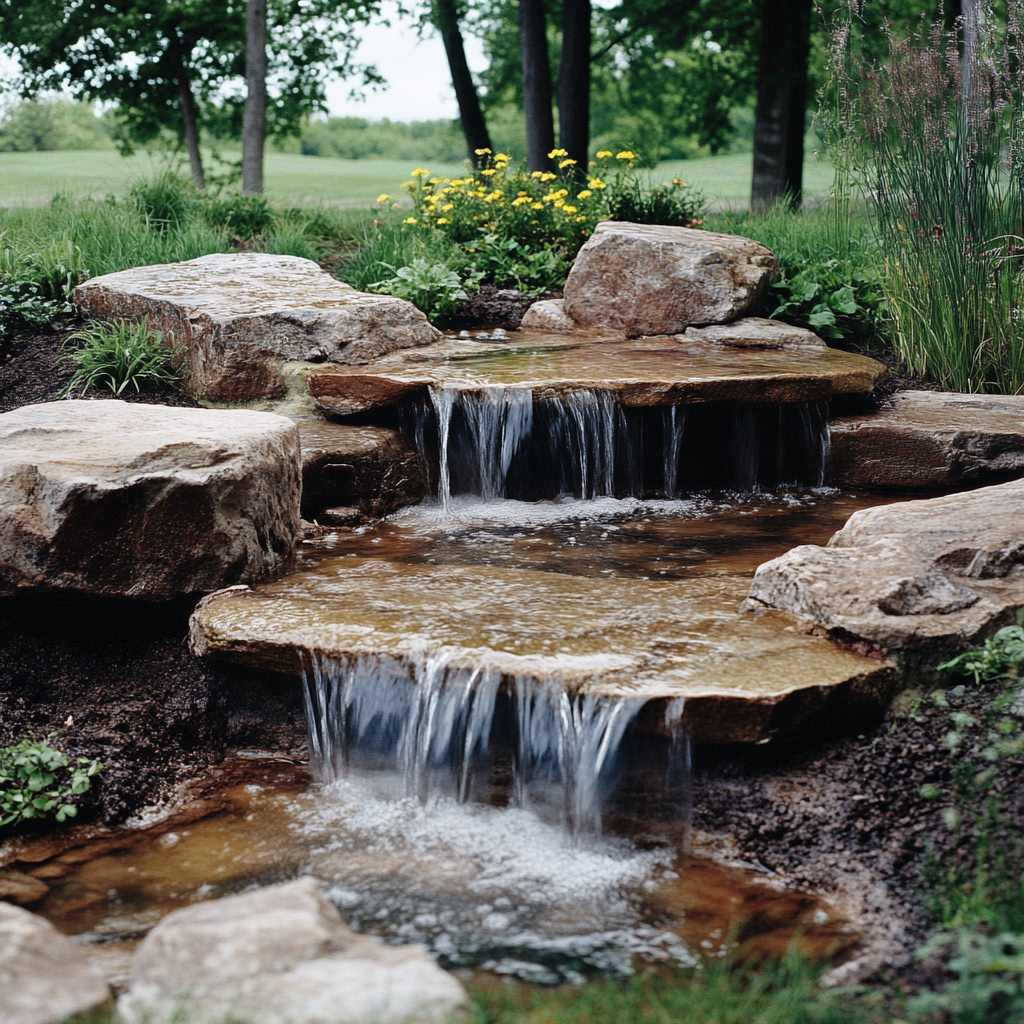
<point x="242" y="216"/>
<point x="35" y="287"/>
<point x="508" y="262"/>
<point x="1000" y="655"/>
<point x="165" y="201"/>
<point x="630" y="198"/>
<point x="117" y="356"/>
<point x="38" y="783"/>
<point x="435" y="288"/>
<point x="22" y="304"/>
<point x="34" y="125"/>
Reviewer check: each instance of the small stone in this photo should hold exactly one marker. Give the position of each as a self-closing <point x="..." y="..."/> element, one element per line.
<point x="548" y="315"/>
<point x="17" y="887"/>
<point x="931" y="593"/>
<point x="755" y="332"/>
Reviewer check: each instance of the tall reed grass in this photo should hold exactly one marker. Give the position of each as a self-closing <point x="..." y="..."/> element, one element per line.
<point x="938" y="138"/>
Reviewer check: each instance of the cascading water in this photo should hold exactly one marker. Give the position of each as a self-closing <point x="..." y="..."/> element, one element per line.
<point x="435" y="726"/>
<point x="503" y="442"/>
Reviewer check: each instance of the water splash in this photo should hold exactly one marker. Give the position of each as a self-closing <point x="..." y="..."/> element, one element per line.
<point x="432" y="725"/>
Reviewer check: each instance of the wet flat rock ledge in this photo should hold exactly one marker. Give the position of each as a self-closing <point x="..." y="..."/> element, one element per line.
<point x="914" y="577"/>
<point x="236" y="316"/>
<point x="281" y="955"/>
<point x="44" y="976"/>
<point x="144" y="501"/>
<point x="931" y="439"/>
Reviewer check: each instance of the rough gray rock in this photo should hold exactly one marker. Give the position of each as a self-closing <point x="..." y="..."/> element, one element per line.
<point x="281" y="955"/>
<point x="931" y="439"/>
<point x="144" y="501"/>
<point x="235" y="316"/>
<point x="755" y="332"/>
<point x="548" y="315"/>
<point x="44" y="976"/>
<point x="920" y="577"/>
<point x="651" y="279"/>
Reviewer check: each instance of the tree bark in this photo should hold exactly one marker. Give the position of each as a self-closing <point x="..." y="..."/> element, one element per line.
<point x="254" y="120"/>
<point x="474" y="125"/>
<point x="574" y="81"/>
<point x="533" y="45"/>
<point x="781" y="115"/>
<point x="189" y="113"/>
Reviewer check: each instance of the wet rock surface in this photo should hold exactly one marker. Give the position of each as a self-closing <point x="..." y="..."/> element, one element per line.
<point x="235" y="316"/>
<point x="640" y="372"/>
<point x="927" y="576"/>
<point x="931" y="439"/>
<point x="754" y="332"/>
<point x="548" y="315"/>
<point x="650" y="279"/>
<point x="144" y="501"/>
<point x="281" y="955"/>
<point x="44" y="976"/>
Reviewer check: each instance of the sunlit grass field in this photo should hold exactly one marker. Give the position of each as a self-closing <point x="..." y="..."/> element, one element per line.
<point x="33" y="178"/>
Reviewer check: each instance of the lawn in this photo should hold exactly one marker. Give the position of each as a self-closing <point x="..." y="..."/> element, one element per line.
<point x="30" y="178"/>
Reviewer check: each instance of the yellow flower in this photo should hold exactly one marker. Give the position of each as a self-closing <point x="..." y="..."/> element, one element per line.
<point x="502" y="157"/>
<point x="520" y="200"/>
<point x="568" y="162"/>
<point x="559" y="203"/>
<point x="419" y="172"/>
<point x="625" y="154"/>
<point x="383" y="198"/>
<point x="409" y="184"/>
<point x="443" y="220"/>
<point x="585" y="194"/>
<point x="410" y="220"/>
<point x="567" y="208"/>
<point x="488" y="171"/>
<point x="447" y="207"/>
<point x="604" y="154"/>
<point x="596" y="183"/>
<point x="555" y="153"/>
<point x="581" y="220"/>
<point x="482" y="152"/>
<point x="679" y="182"/>
<point x="536" y="174"/>
<point x="536" y="206"/>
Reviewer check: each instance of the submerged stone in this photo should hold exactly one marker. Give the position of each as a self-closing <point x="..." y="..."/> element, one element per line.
<point x="235" y="316"/>
<point x="919" y="578"/>
<point x="44" y="977"/>
<point x="637" y="372"/>
<point x="931" y="439"/>
<point x="281" y="955"/>
<point x="652" y="279"/>
<point x="144" y="501"/>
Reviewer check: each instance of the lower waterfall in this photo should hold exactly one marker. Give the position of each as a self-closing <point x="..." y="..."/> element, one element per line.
<point x="436" y="727"/>
<point x="503" y="442"/>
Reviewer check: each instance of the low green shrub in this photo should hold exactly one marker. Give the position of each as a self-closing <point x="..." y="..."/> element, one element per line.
<point x="38" y="782"/>
<point x="434" y="288"/>
<point x="1001" y="655"/>
<point x="22" y="304"/>
<point x="243" y="216"/>
<point x="165" y="201"/>
<point x="117" y="356"/>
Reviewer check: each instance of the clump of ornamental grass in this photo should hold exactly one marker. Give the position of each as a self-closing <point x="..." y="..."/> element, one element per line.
<point x="935" y="132"/>
<point x="119" y="356"/>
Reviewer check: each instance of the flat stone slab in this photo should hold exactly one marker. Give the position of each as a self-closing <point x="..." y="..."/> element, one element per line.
<point x="372" y="468"/>
<point x="931" y="439"/>
<point x="652" y="279"/>
<point x="640" y="372"/>
<point x="235" y="316"/>
<point x="754" y="332"/>
<point x="918" y="578"/>
<point x="536" y="607"/>
<point x="44" y="976"/>
<point x="144" y="501"/>
<point x="281" y="955"/>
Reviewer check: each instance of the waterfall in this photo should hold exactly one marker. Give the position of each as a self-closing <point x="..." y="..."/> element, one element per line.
<point x="433" y="725"/>
<point x="506" y="442"/>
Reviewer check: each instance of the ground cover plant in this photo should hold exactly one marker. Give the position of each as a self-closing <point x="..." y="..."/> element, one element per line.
<point x="38" y="782"/>
<point x="118" y="356"/>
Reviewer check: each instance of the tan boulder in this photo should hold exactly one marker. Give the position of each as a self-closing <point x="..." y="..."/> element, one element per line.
<point x="548" y="315"/>
<point x="144" y="501"/>
<point x="930" y="439"/>
<point x="918" y="578"/>
<point x="653" y="279"/>
<point x="235" y="316"/>
<point x="44" y="976"/>
<point x="281" y="955"/>
<point x="755" y="332"/>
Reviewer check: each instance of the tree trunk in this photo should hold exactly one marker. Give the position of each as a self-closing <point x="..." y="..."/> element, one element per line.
<point x="254" y="121"/>
<point x="474" y="126"/>
<point x="574" y="82"/>
<point x="533" y="44"/>
<point x="189" y="113"/>
<point x="781" y="115"/>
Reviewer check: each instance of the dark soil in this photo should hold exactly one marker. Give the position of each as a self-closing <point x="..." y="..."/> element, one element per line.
<point x="493" y="307"/>
<point x="33" y="369"/>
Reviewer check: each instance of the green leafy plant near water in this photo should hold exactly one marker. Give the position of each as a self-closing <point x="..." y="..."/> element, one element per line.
<point x="39" y="783"/>
<point x="434" y="288"/>
<point x="118" y="356"/>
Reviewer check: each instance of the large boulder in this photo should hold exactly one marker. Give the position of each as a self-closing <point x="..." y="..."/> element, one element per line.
<point x="235" y="316"/>
<point x="144" y="501"/>
<point x="915" y="578"/>
<point x="281" y="955"/>
<point x="652" y="279"/>
<point x="931" y="439"/>
<point x="44" y="976"/>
